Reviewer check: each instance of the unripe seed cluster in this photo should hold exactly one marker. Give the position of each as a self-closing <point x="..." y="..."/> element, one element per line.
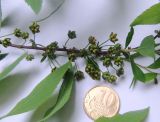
<point x="18" y="33"/>
<point x="94" y="73"/>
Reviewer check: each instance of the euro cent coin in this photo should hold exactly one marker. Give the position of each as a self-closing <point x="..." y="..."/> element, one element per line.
<point x="101" y="101"/>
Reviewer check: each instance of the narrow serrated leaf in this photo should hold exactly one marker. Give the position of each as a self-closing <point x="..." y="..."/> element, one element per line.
<point x="2" y="56"/>
<point x="133" y="116"/>
<point x="129" y="37"/>
<point x="147" y="47"/>
<point x="9" y="68"/>
<point x="36" y="5"/>
<point x="155" y="65"/>
<point x="148" y="17"/>
<point x="64" y="95"/>
<point x="41" y="93"/>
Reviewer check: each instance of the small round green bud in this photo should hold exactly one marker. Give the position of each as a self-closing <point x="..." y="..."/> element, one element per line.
<point x="92" y="40"/>
<point x="107" y="62"/>
<point x="118" y="47"/>
<point x="113" y="37"/>
<point x="111" y="50"/>
<point x="105" y="75"/>
<point x="118" y="61"/>
<point x="83" y="52"/>
<point x="25" y="35"/>
<point x="94" y="49"/>
<point x="72" y="34"/>
<point x="113" y="78"/>
<point x="6" y="42"/>
<point x="35" y="28"/>
<point x="17" y="32"/>
<point x="50" y="50"/>
<point x="53" y="46"/>
<point x="120" y="71"/>
<point x="79" y="75"/>
<point x="72" y="56"/>
<point x="29" y="57"/>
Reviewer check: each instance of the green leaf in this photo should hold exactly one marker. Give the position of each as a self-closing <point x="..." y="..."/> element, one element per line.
<point x="136" y="116"/>
<point x="133" y="116"/>
<point x="155" y="65"/>
<point x="147" y="47"/>
<point x="41" y="93"/>
<point x="148" y="17"/>
<point x="136" y="55"/>
<point x="117" y="118"/>
<point x="36" y="5"/>
<point x="64" y="95"/>
<point x="137" y="72"/>
<point x="129" y="37"/>
<point x="8" y="69"/>
<point x="150" y="77"/>
<point x="2" y="56"/>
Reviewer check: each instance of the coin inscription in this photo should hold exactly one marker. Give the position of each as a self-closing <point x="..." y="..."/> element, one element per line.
<point x="101" y="101"/>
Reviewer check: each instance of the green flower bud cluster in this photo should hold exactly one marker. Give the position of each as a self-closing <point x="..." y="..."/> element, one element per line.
<point x="72" y="34"/>
<point x="29" y="57"/>
<point x="107" y="62"/>
<point x="92" y="40"/>
<point x="93" y="47"/>
<point x="83" y="53"/>
<point x="6" y="42"/>
<point x="113" y="57"/>
<point x="18" y="33"/>
<point x="50" y="51"/>
<point x="72" y="56"/>
<point x="115" y="50"/>
<point x="113" y="37"/>
<point x="94" y="73"/>
<point x="25" y="35"/>
<point x="118" y="61"/>
<point x="120" y="71"/>
<point x="79" y="75"/>
<point x="108" y="77"/>
<point x="35" y="28"/>
<point x="114" y="54"/>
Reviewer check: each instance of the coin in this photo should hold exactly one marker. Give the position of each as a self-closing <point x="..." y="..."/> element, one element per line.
<point x="101" y="101"/>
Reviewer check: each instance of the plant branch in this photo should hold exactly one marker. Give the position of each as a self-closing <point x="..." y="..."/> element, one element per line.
<point x="64" y="49"/>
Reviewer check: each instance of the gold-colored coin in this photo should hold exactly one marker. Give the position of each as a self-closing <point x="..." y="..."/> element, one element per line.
<point x="101" y="101"/>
